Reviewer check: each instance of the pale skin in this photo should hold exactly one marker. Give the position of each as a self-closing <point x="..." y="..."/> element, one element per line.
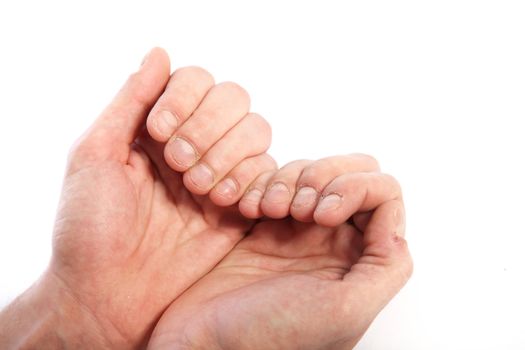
<point x="159" y="240"/>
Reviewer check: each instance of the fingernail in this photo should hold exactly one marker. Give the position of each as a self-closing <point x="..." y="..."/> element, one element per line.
<point x="166" y="123"/>
<point x="278" y="193"/>
<point x="330" y="202"/>
<point x="253" y="196"/>
<point x="182" y="152"/>
<point x="226" y="188"/>
<point x="201" y="176"/>
<point x="306" y="196"/>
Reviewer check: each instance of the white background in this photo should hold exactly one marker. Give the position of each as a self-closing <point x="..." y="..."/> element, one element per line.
<point x="434" y="89"/>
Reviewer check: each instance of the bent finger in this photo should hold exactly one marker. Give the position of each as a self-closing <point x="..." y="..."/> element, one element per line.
<point x="250" y="203"/>
<point x="185" y="91"/>
<point x="354" y="192"/>
<point x="223" y="107"/>
<point x="281" y="189"/>
<point x="231" y="188"/>
<point x="385" y="265"/>
<point x="250" y="137"/>
<point x="317" y="175"/>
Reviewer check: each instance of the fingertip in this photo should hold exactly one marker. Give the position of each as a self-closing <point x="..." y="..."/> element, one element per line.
<point x="249" y="205"/>
<point x="225" y="192"/>
<point x="170" y="160"/>
<point x="276" y="201"/>
<point x="329" y="210"/>
<point x="275" y="211"/>
<point x="304" y="204"/>
<point x="237" y="92"/>
<point x="198" y="179"/>
<point x="326" y="219"/>
<point x="301" y="215"/>
<point x="161" y="125"/>
<point x="180" y="154"/>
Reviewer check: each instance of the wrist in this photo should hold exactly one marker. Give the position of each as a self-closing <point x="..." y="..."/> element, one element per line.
<point x="48" y="316"/>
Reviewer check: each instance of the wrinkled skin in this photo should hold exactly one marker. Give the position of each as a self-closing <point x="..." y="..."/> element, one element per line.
<point x="139" y="240"/>
<point x="129" y="237"/>
<point x="136" y="254"/>
<point x="290" y="285"/>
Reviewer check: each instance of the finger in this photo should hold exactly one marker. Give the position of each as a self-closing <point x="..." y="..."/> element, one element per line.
<point x="317" y="175"/>
<point x="113" y="132"/>
<point x="361" y="220"/>
<point x="385" y="265"/>
<point x="281" y="189"/>
<point x="354" y="192"/>
<point x="185" y="91"/>
<point x="224" y="105"/>
<point x="250" y="137"/>
<point x="230" y="189"/>
<point x="250" y="203"/>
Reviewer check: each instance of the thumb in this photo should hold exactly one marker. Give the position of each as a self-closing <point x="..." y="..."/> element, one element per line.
<point x="112" y="133"/>
<point x="385" y="265"/>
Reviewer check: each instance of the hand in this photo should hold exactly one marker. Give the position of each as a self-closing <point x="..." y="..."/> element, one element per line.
<point x="131" y="235"/>
<point x="311" y="281"/>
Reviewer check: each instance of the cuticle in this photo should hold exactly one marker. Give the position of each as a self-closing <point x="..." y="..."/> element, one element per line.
<point x="337" y="193"/>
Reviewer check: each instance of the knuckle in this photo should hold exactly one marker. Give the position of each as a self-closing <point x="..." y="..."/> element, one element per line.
<point x="314" y="173"/>
<point x="266" y="129"/>
<point x="178" y="108"/>
<point x="314" y="169"/>
<point x="179" y="99"/>
<point x="195" y="72"/>
<point x="248" y="170"/>
<point x="262" y="129"/>
<point x="258" y="165"/>
<point x="366" y="157"/>
<point x="197" y="133"/>
<point x="309" y="174"/>
<point x="268" y="162"/>
<point x="259" y="121"/>
<point x="251" y="168"/>
<point x="234" y="89"/>
<point x="290" y="173"/>
<point x="227" y="160"/>
<point x="297" y="163"/>
<point x="395" y="183"/>
<point x="263" y="179"/>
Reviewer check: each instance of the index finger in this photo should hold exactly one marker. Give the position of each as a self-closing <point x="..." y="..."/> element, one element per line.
<point x="184" y="92"/>
<point x="351" y="193"/>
